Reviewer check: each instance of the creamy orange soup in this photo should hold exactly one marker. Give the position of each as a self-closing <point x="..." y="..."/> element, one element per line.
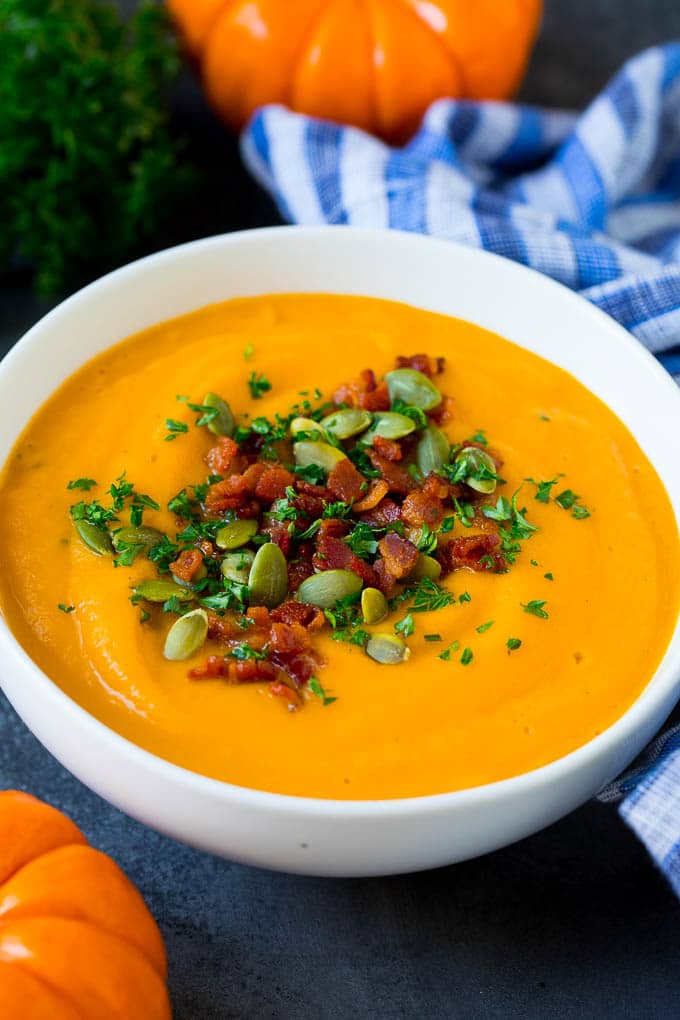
<point x="609" y="582"/>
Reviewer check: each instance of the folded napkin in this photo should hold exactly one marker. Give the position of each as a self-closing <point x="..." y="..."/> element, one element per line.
<point x="591" y="199"/>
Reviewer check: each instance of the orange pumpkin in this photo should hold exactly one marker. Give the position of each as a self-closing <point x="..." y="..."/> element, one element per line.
<point x="76" y="940"/>
<point x="374" y="63"/>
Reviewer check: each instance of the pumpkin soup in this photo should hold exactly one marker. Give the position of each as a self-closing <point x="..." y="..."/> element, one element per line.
<point x="269" y="543"/>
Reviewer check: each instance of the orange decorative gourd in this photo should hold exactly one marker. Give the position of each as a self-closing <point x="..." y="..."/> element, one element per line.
<point x="377" y="64"/>
<point x="76" y="940"/>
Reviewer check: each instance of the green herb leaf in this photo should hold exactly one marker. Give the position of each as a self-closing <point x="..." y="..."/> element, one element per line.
<point x="175" y="428"/>
<point x="66" y="609"/>
<point x="535" y="608"/>
<point x="362" y="540"/>
<point x="248" y="352"/>
<point x="544" y="489"/>
<point x="405" y="627"/>
<point x="485" y="626"/>
<point x="448" y="652"/>
<point x="467" y="656"/>
<point x="549" y="577"/>
<point x="316" y="688"/>
<point x="513" y="644"/>
<point x="258" y="384"/>
<point x="82" y="483"/>
<point x="245" y="651"/>
<point x="432" y="637"/>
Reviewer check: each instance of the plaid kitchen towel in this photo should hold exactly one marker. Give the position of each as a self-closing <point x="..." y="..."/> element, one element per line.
<point x="591" y="199"/>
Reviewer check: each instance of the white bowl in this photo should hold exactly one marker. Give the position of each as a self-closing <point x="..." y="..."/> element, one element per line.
<point x="326" y="837"/>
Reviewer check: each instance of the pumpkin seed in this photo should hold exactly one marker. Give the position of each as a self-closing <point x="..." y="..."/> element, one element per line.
<point x="323" y="455"/>
<point x="223" y="423"/>
<point x="235" y="534"/>
<point x="153" y="590"/>
<point x="426" y="566"/>
<point x="413" y="388"/>
<point x="480" y="469"/>
<point x="324" y="589"/>
<point x="143" y="535"/>
<point x="268" y="577"/>
<point x="374" y="606"/>
<point x="432" y="452"/>
<point x="236" y="565"/>
<point x="97" y="540"/>
<point x="350" y="421"/>
<point x="186" y="636"/>
<point x="390" y="425"/>
<point x="308" y="426"/>
<point x="387" y="649"/>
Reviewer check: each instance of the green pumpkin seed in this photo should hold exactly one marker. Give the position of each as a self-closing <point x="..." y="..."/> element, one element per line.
<point x="387" y="649"/>
<point x="324" y="589"/>
<point x="308" y="426"/>
<point x="426" y="566"/>
<point x="374" y="606"/>
<point x="268" y="577"/>
<point x="223" y="423"/>
<point x="432" y="452"/>
<point x="350" y="421"/>
<point x="143" y="535"/>
<point x="413" y="388"/>
<point x="235" y="534"/>
<point x="390" y="425"/>
<point x="236" y="565"/>
<point x="153" y="590"/>
<point x="186" y="636"/>
<point x="480" y="469"/>
<point x="97" y="540"/>
<point x="323" y="455"/>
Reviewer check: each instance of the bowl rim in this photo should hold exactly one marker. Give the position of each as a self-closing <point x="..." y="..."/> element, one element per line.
<point x="622" y="729"/>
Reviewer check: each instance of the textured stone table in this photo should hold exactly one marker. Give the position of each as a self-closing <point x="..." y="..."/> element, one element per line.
<point x="573" y="922"/>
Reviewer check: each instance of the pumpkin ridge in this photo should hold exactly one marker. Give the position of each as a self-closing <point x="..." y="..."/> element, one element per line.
<point x="442" y="42"/>
<point x="58" y="992"/>
<point x="221" y="12"/>
<point x="305" y="40"/>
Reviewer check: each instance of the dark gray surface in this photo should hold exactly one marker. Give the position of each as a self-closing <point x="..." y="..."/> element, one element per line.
<point x="573" y="922"/>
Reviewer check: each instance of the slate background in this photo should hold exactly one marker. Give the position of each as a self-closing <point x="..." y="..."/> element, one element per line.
<point x="573" y="922"/>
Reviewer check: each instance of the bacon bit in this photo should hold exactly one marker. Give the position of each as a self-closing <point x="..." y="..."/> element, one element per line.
<point x="399" y="554"/>
<point x="386" y="512"/>
<point x="281" y="690"/>
<point x="252" y="475"/>
<point x="273" y="484"/>
<point x="309" y="506"/>
<point x="435" y="485"/>
<point x="249" y="671"/>
<point x="220" y="458"/>
<point x="279" y="535"/>
<point x="299" y="571"/>
<point x="388" y="448"/>
<point x="187" y="565"/>
<point x="378" y="490"/>
<point x="310" y="489"/>
<point x="332" y="526"/>
<point x="249" y="508"/>
<point x="289" y="639"/>
<point x="226" y="495"/>
<point x="367" y="376"/>
<point x="469" y="552"/>
<point x="208" y="549"/>
<point x="421" y="508"/>
<point x="299" y="612"/>
<point x="259" y="616"/>
<point x="443" y="412"/>
<point x="396" y="476"/>
<point x="332" y="553"/>
<point x="345" y="482"/>
<point x="385" y="580"/>
<point x="377" y="400"/>
<point x="214" y="667"/>
<point x="222" y="628"/>
<point x="422" y="363"/>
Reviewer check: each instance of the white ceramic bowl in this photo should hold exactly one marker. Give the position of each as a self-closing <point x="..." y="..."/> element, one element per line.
<point x="325" y="837"/>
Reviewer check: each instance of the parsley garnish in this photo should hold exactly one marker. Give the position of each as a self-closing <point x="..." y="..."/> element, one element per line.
<point x="465" y="597"/>
<point x="512" y="644"/>
<point x="543" y="489"/>
<point x="311" y="473"/>
<point x="432" y="637"/>
<point x="549" y="577"/>
<point x="405" y="627"/>
<point x="258" y="384"/>
<point x="467" y="656"/>
<point x="580" y="513"/>
<point x="248" y="352"/>
<point x="427" y="540"/>
<point x="234" y="596"/>
<point x="569" y="500"/>
<point x="485" y="626"/>
<point x="427" y="596"/>
<point x="362" y="540"/>
<point x="362" y="462"/>
<point x="535" y="608"/>
<point x="66" y="609"/>
<point x="175" y="428"/>
<point x="448" y="652"/>
<point x="316" y="688"/>
<point x="414" y="413"/>
<point x="447" y="525"/>
<point x="144" y="616"/>
<point x="478" y="437"/>
<point x="82" y="483"/>
<point x="246" y="651"/>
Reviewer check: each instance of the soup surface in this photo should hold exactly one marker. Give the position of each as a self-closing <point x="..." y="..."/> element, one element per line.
<point x="604" y="587"/>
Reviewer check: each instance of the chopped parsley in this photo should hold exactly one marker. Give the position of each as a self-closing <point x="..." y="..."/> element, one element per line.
<point x="409" y="411"/>
<point x="66" y="609"/>
<point x="485" y="626"/>
<point x="311" y="473"/>
<point x="258" y="384"/>
<point x="467" y="656"/>
<point x="448" y="652"/>
<point x="535" y="608"/>
<point x="248" y="352"/>
<point x="427" y="540"/>
<point x="82" y="483"/>
<point x="428" y="596"/>
<point x="432" y="637"/>
<point x="175" y="428"/>
<point x="512" y="644"/>
<point x="405" y="627"/>
<point x="245" y="651"/>
<point x="544" y="488"/>
<point x="316" y="688"/>
<point x="549" y="577"/>
<point x="447" y="525"/>
<point x="362" y="540"/>
<point x="465" y="597"/>
<point x="478" y="437"/>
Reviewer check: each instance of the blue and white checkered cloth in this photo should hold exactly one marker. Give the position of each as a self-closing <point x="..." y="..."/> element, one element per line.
<point x="591" y="199"/>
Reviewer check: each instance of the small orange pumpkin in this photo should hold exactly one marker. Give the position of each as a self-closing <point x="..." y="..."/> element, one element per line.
<point x="377" y="64"/>
<point x="76" y="940"/>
